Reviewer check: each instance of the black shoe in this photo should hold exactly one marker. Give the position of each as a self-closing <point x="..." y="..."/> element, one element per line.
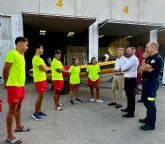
<point x="71" y="102"/>
<point x="78" y="101"/>
<point x="147" y="127"/>
<point x="140" y="101"/>
<point x="142" y="120"/>
<point x="118" y="106"/>
<point x="112" y="103"/>
<point x="124" y="110"/>
<point x="128" y="115"/>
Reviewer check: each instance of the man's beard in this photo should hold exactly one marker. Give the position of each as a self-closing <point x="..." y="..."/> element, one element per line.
<point x="128" y="55"/>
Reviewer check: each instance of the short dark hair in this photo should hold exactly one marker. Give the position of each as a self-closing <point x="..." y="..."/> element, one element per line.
<point x="73" y="60"/>
<point x="19" y="39"/>
<point x="37" y="46"/>
<point x="57" y="52"/>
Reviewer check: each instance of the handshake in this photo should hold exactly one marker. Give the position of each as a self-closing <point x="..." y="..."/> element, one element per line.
<point x="64" y="70"/>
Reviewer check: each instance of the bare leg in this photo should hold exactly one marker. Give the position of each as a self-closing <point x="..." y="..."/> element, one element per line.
<point x="97" y="93"/>
<point x="39" y="102"/>
<point x="92" y="91"/>
<point x="18" y="116"/>
<point x="71" y="93"/>
<point x="9" y="120"/>
<point x="76" y="92"/>
<point x="56" y="96"/>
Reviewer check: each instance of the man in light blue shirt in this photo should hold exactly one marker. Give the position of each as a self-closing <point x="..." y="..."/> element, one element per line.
<point x="118" y="80"/>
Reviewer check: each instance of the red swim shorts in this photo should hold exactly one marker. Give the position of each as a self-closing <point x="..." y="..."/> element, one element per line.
<point x="15" y="94"/>
<point x="93" y="83"/>
<point x="58" y="84"/>
<point x="41" y="86"/>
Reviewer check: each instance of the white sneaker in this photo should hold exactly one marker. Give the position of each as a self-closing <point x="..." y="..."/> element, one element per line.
<point x="59" y="108"/>
<point x="92" y="100"/>
<point x="99" y="101"/>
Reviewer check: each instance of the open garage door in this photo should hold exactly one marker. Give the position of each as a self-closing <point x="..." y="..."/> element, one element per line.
<point x="120" y="33"/>
<point x="52" y="31"/>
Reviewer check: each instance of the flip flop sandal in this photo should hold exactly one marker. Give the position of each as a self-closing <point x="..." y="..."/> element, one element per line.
<point x="23" y="129"/>
<point x="14" y="141"/>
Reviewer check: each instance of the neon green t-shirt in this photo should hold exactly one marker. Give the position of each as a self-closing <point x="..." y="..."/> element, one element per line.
<point x="74" y="74"/>
<point x="55" y="64"/>
<point x="17" y="72"/>
<point x="93" y="71"/>
<point x="38" y="75"/>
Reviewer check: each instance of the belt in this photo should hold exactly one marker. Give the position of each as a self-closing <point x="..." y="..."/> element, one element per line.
<point x="149" y="79"/>
<point x="119" y="74"/>
<point x="130" y="77"/>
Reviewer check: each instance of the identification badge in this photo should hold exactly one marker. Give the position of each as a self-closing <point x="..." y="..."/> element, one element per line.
<point x="153" y="61"/>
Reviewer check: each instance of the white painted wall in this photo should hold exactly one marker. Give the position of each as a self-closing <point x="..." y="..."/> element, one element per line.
<point x="139" y="10"/>
<point x="11" y="27"/>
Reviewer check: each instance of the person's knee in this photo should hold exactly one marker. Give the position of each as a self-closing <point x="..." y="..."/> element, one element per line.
<point x="41" y="96"/>
<point x="97" y="89"/>
<point x="18" y="107"/>
<point x="58" y="91"/>
<point x="12" y="110"/>
<point x="91" y="88"/>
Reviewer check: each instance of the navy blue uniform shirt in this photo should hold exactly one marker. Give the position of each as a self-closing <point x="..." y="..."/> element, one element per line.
<point x="156" y="62"/>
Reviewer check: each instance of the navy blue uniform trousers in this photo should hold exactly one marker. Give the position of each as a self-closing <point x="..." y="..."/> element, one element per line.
<point x="149" y="89"/>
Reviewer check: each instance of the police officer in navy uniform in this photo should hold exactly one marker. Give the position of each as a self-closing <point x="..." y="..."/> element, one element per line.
<point x="150" y="74"/>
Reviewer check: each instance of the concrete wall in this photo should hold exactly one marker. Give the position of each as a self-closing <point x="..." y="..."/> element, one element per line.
<point x="138" y="10"/>
<point x="10" y="28"/>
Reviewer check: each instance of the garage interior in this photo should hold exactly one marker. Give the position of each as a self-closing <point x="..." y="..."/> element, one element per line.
<point x="67" y="33"/>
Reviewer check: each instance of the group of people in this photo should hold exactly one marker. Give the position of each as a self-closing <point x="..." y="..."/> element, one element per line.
<point x="124" y="79"/>
<point x="14" y="82"/>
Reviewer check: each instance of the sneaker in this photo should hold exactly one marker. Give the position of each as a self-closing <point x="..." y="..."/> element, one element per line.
<point x="36" y="116"/>
<point x="92" y="100"/>
<point x="42" y="114"/>
<point x="99" y="101"/>
<point x="78" y="101"/>
<point x="59" y="108"/>
<point x="71" y="102"/>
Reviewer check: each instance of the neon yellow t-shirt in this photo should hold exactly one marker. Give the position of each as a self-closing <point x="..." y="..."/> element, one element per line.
<point x="74" y="74"/>
<point x="17" y="72"/>
<point x="93" y="71"/>
<point x="38" y="75"/>
<point x="55" y="65"/>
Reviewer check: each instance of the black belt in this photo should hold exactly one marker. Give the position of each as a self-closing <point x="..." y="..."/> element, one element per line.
<point x="119" y="74"/>
<point x="130" y="77"/>
<point x="149" y="79"/>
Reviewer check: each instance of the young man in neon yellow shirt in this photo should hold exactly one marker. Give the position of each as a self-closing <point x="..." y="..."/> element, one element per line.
<point x="74" y="71"/>
<point x="14" y="81"/>
<point x="39" y="75"/>
<point x="93" y="70"/>
<point x="57" y="79"/>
